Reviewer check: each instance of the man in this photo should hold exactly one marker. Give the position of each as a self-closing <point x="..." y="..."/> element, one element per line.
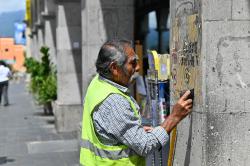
<point x="112" y="133"/>
<point x="5" y="75"/>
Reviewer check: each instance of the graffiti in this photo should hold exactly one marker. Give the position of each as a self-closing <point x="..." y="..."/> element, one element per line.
<point x="174" y="57"/>
<point x="185" y="54"/>
<point x="189" y="55"/>
<point x="174" y="76"/>
<point x="187" y="76"/>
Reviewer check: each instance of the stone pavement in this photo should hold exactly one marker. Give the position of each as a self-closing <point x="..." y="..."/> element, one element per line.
<point x="29" y="138"/>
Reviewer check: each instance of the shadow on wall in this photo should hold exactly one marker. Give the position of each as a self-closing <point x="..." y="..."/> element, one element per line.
<point x="116" y="20"/>
<point x="52" y="26"/>
<point x="5" y="160"/>
<point x="248" y="4"/>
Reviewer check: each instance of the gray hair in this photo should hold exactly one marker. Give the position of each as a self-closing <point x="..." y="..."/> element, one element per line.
<point x="111" y="51"/>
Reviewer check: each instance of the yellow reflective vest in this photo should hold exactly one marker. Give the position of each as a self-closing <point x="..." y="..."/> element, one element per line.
<point x="93" y="152"/>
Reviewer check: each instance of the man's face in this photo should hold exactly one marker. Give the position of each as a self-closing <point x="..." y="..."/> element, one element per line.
<point x="126" y="74"/>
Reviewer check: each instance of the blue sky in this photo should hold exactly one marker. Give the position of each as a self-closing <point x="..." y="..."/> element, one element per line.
<point x="11" y="5"/>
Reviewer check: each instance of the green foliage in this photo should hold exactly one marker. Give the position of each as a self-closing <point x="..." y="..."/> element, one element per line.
<point x="47" y="90"/>
<point x="46" y="65"/>
<point x="35" y="69"/>
<point x="43" y="77"/>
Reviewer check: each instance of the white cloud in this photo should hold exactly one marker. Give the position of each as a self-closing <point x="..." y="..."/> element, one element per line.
<point x="11" y="5"/>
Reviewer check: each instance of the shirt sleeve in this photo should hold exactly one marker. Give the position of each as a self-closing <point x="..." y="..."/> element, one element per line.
<point x="121" y="123"/>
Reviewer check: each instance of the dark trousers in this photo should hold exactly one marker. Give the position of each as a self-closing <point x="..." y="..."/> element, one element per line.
<point x="4" y="92"/>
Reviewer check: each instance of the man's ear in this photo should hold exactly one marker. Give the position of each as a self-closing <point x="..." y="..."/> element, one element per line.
<point x="114" y="69"/>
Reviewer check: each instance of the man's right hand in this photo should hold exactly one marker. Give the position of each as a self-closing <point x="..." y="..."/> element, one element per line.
<point x="180" y="110"/>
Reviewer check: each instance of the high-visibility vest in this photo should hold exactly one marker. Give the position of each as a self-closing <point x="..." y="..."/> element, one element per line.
<point x="93" y="152"/>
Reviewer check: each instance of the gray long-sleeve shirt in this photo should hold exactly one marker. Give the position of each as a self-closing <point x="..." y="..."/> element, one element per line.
<point x="116" y="124"/>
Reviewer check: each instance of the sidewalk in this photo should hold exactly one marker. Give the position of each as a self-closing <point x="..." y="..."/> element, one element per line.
<point x="29" y="138"/>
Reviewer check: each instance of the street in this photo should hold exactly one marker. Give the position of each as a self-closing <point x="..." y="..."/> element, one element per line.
<point x="28" y="137"/>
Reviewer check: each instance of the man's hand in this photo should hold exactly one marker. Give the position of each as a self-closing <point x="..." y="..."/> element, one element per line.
<point x="180" y="110"/>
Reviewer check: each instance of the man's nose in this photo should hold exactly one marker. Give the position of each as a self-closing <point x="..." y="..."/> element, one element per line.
<point x="137" y="68"/>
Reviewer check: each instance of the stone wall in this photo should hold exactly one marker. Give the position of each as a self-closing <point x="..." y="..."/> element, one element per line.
<point x="217" y="132"/>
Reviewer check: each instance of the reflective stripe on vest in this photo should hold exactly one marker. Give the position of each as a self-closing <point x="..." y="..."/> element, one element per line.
<point x="113" y="155"/>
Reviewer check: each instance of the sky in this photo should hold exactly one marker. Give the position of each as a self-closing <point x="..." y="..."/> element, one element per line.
<point x="11" y="5"/>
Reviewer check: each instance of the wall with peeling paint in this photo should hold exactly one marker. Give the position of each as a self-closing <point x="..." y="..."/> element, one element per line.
<point x="218" y="131"/>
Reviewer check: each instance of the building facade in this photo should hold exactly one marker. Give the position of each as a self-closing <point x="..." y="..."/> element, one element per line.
<point x="12" y="54"/>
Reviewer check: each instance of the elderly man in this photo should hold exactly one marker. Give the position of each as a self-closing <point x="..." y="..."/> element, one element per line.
<point x="112" y="133"/>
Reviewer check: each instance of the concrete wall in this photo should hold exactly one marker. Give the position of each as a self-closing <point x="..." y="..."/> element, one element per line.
<point x="69" y="67"/>
<point x="33" y="35"/>
<point x="34" y="46"/>
<point x="226" y="46"/>
<point x="28" y="42"/>
<point x="217" y="132"/>
<point x="103" y="20"/>
<point x="187" y="68"/>
<point x="39" y="25"/>
<point x="40" y="39"/>
<point x="49" y="17"/>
